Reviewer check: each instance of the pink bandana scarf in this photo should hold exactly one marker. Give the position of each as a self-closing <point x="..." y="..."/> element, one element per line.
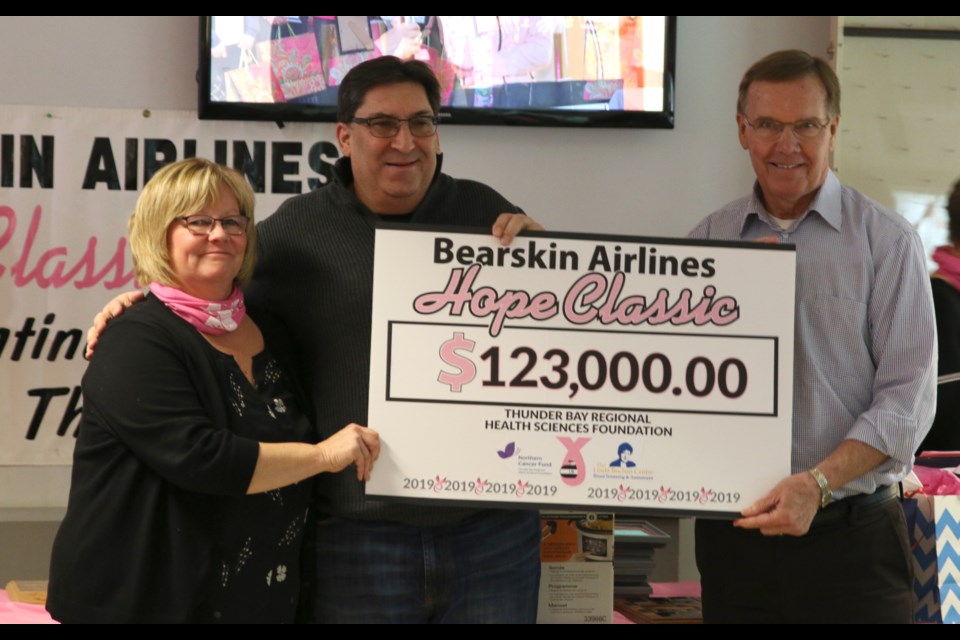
<point x="214" y="318"/>
<point x="949" y="266"/>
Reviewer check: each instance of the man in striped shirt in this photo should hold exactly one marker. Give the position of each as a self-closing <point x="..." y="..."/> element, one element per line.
<point x="828" y="543"/>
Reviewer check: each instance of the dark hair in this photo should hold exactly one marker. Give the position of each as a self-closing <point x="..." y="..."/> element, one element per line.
<point x="378" y="72"/>
<point x="953" y="209"/>
<point x="792" y="64"/>
<point x="624" y="447"/>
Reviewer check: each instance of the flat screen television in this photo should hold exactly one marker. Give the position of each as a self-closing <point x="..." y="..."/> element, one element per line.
<point x="558" y="71"/>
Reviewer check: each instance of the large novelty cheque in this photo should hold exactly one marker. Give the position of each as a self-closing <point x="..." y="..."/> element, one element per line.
<point x="641" y="374"/>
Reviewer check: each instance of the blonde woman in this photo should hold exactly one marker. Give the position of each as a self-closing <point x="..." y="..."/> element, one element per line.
<point x="188" y="499"/>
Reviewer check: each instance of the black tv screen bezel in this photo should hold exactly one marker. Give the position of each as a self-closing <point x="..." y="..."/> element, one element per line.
<point x="284" y="112"/>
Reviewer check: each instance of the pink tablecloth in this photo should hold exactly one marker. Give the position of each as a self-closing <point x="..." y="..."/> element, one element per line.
<point x="19" y="613"/>
<point x="690" y="589"/>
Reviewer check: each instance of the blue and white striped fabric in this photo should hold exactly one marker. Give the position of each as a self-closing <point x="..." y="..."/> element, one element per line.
<point x="948" y="556"/>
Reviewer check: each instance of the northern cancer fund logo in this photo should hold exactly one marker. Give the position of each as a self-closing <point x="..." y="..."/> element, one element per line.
<point x="529" y="464"/>
<point x="508" y="451"/>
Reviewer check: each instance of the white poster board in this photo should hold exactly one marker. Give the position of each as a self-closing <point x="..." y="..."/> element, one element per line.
<point x="581" y="371"/>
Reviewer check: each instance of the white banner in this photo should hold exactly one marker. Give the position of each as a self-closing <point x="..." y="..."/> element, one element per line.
<point x="581" y="371"/>
<point x="69" y="179"/>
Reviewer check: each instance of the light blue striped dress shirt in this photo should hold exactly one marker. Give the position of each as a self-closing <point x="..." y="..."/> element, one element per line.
<point x="865" y="349"/>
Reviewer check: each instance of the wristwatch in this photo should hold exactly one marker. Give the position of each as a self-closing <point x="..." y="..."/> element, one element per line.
<point x="826" y="495"/>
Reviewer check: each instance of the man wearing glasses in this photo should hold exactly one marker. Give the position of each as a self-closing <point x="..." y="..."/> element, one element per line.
<point x="828" y="543"/>
<point x="375" y="561"/>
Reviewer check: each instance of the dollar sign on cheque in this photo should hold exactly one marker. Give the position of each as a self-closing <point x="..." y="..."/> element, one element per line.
<point x="466" y="370"/>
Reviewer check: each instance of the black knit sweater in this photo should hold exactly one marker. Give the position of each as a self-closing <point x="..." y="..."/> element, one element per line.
<point x="315" y="273"/>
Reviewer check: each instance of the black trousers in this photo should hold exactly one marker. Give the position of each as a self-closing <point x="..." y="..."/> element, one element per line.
<point x="853" y="566"/>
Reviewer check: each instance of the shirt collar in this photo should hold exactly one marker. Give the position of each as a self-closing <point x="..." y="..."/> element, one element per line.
<point x="826" y="204"/>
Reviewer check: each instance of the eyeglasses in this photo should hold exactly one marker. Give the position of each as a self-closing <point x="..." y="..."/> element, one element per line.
<point x="769" y="129"/>
<point x="204" y="225"/>
<point x="387" y="126"/>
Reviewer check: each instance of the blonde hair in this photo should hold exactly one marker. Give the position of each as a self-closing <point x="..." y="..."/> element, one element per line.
<point x="183" y="189"/>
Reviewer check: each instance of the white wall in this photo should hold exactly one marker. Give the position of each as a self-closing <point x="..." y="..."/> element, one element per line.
<point x="610" y="181"/>
<point x="643" y="182"/>
<point x="606" y="181"/>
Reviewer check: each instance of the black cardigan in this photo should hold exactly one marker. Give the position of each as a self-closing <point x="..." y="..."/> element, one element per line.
<point x="158" y="471"/>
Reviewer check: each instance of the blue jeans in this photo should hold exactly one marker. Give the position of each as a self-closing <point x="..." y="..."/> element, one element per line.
<point x="484" y="569"/>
